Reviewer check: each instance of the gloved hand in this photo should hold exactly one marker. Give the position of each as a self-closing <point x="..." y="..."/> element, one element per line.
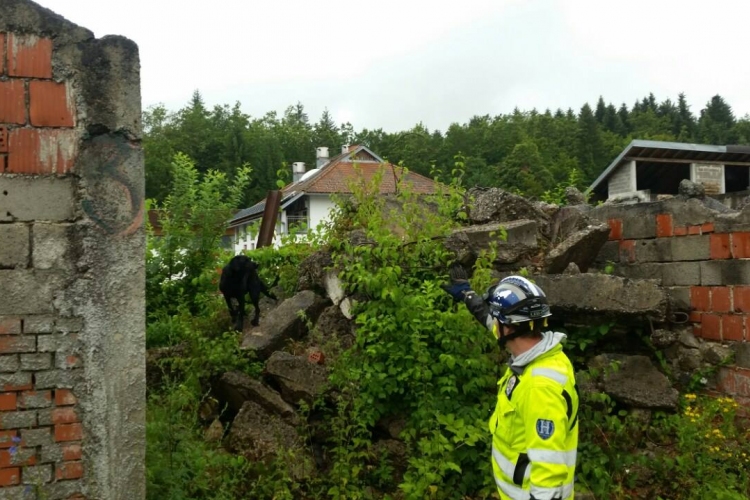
<point x="459" y="283"/>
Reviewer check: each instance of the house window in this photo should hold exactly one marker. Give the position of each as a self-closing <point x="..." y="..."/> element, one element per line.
<point x="660" y="178"/>
<point x="737" y="178"/>
<point x="297" y="217"/>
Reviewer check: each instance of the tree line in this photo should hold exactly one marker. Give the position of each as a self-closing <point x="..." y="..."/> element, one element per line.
<point x="530" y="152"/>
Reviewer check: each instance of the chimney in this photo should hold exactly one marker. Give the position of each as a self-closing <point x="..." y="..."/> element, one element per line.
<point x="298" y="170"/>
<point x="321" y="156"/>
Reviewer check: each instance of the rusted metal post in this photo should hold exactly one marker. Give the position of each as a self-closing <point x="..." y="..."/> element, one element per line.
<point x="270" y="214"/>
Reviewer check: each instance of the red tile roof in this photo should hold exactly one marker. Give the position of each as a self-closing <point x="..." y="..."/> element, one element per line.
<point x="337" y="175"/>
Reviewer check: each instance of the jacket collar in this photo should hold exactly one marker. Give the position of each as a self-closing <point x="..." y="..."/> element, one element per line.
<point x="549" y="345"/>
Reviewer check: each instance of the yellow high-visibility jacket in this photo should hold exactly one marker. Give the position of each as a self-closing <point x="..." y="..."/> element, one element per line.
<point x="535" y="429"/>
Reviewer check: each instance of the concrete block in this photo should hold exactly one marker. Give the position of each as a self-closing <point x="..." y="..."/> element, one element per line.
<point x="58" y="379"/>
<point x="14" y="245"/>
<point x="37" y="199"/>
<point x="653" y="250"/>
<point x="12" y="381"/>
<point x="50" y="452"/>
<point x="37" y="437"/>
<point x="62" y="490"/>
<point x="711" y="272"/>
<point x="635" y="228"/>
<point x="13" y="492"/>
<point x="679" y="297"/>
<point x="640" y="271"/>
<point x="69" y="325"/>
<point x="742" y="354"/>
<point x="36" y="362"/>
<point x="9" y="363"/>
<point x="37" y="474"/>
<point x="38" y="324"/>
<point x="27" y="291"/>
<point x="67" y="343"/>
<point x="51" y="246"/>
<point x="688" y="248"/>
<point x="31" y="400"/>
<point x="735" y="272"/>
<point x="681" y="273"/>
<point x="17" y="419"/>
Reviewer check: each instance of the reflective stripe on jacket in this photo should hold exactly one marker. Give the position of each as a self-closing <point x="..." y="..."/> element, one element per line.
<point x="535" y="429"/>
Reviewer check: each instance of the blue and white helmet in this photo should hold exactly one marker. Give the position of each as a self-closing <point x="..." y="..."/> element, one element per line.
<point x="517" y="300"/>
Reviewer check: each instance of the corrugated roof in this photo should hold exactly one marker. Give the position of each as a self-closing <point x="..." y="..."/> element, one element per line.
<point x="669" y="152"/>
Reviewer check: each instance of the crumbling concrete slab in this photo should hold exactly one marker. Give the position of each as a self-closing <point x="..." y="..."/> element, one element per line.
<point x="580" y="248"/>
<point x="289" y="321"/>
<point x="604" y="294"/>
<point x="467" y="243"/>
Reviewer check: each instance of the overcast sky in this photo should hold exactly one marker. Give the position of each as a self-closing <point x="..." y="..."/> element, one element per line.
<point x="394" y="63"/>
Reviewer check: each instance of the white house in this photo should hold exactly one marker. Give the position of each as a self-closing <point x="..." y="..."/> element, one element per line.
<point x="306" y="201"/>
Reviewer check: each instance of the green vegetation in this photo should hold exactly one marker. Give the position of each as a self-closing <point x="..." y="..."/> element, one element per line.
<point x="417" y="357"/>
<point x="529" y="151"/>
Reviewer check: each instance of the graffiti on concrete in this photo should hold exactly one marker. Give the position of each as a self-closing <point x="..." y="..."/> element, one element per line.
<point x="114" y="191"/>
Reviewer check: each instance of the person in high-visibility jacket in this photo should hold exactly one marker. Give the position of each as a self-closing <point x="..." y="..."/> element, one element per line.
<point x="535" y="423"/>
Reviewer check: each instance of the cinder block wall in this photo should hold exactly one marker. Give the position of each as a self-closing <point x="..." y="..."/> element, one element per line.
<point x="702" y="258"/>
<point x="72" y="329"/>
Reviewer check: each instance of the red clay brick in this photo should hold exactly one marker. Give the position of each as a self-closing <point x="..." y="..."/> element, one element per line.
<point x="13" y="102"/>
<point x="720" y="248"/>
<point x="708" y="227"/>
<point x="10" y="477"/>
<point x="721" y="299"/>
<point x="6" y="438"/>
<point x="68" y="432"/>
<point x="711" y="326"/>
<point x="695" y="316"/>
<point x="742" y="298"/>
<point x="700" y="298"/>
<point x="741" y="245"/>
<point x="12" y="344"/>
<point x="627" y="250"/>
<point x="29" y="56"/>
<point x="3" y="143"/>
<point x="50" y="104"/>
<point x="731" y="327"/>
<point x="63" y="397"/>
<point x="10" y="325"/>
<point x="69" y="470"/>
<point x="615" y="229"/>
<point x="41" y="151"/>
<point x="72" y="452"/>
<point x="680" y="231"/>
<point x="7" y="460"/>
<point x="663" y="225"/>
<point x="8" y="401"/>
<point x="725" y="380"/>
<point x="64" y="416"/>
<point x="694" y="229"/>
<point x="2" y="53"/>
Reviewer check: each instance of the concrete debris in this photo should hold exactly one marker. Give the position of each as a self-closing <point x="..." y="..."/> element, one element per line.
<point x="635" y="382"/>
<point x="235" y="388"/>
<point x="690" y="189"/>
<point x="297" y="377"/>
<point x="581" y="247"/>
<point x="574" y="197"/>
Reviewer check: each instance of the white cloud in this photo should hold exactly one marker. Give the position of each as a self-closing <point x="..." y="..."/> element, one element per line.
<point x="394" y="63"/>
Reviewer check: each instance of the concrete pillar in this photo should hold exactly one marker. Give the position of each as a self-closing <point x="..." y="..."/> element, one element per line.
<point x="72" y="244"/>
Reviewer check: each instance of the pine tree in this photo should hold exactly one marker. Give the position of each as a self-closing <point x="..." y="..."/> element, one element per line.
<point x="590" y="151"/>
<point x="601" y="110"/>
<point x="684" y="125"/>
<point x="717" y="122"/>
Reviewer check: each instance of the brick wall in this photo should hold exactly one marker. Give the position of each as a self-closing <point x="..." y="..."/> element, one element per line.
<point x="41" y="435"/>
<point x="72" y="383"/>
<point x="701" y="256"/>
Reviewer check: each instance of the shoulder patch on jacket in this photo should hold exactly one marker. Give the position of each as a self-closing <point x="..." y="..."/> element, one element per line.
<point x="545" y="428"/>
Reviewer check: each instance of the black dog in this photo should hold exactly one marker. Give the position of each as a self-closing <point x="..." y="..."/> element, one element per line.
<point x="238" y="278"/>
